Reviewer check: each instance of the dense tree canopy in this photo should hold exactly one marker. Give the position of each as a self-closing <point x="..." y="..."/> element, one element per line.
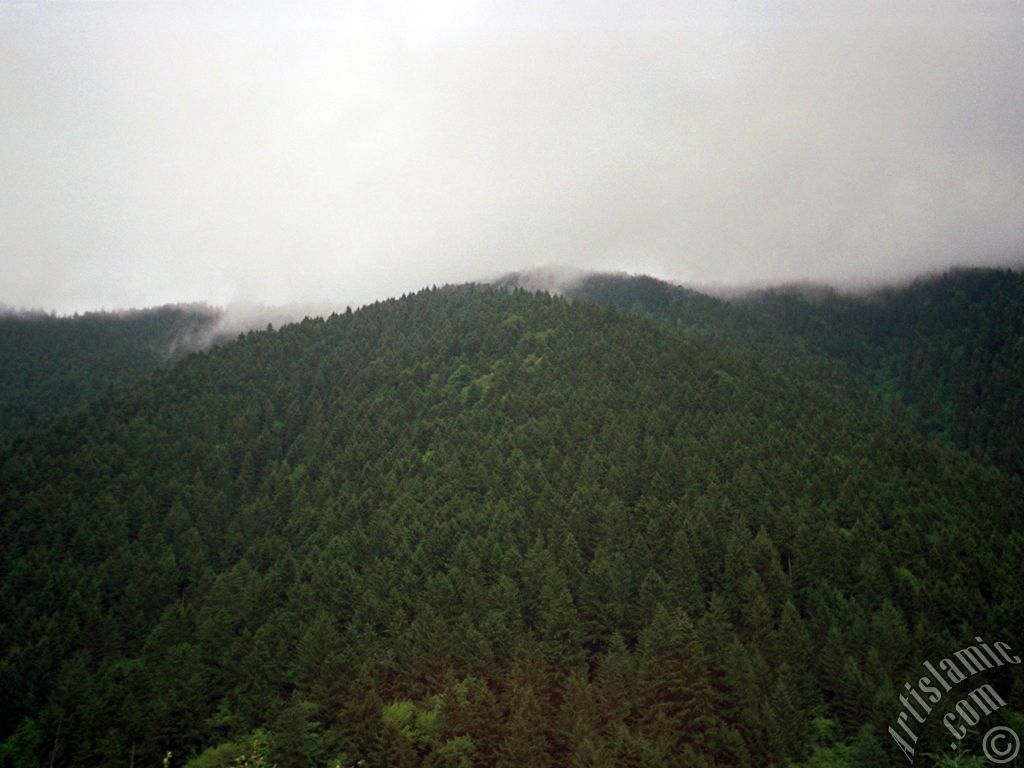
<point x="950" y="350"/>
<point x="49" y="364"/>
<point x="483" y="527"/>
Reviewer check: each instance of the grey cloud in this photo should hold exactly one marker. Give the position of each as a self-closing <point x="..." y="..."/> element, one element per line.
<point x="339" y="154"/>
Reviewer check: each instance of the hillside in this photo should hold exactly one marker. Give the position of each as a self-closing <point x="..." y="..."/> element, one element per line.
<point x="49" y="364"/>
<point x="482" y="527"/>
<point x="948" y="349"/>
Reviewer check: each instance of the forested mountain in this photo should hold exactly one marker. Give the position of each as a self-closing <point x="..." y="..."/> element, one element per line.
<point x="476" y="527"/>
<point x="49" y="363"/>
<point x="950" y="349"/>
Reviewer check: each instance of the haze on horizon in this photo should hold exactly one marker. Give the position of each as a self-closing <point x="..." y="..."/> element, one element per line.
<point x="280" y="153"/>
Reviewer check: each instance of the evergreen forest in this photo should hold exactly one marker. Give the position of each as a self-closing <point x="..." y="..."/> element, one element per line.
<point x="628" y="525"/>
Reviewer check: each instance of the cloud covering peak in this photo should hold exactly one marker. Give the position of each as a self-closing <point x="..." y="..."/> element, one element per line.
<point x="346" y="152"/>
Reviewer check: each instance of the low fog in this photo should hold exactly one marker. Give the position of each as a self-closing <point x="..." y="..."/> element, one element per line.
<point x="341" y="153"/>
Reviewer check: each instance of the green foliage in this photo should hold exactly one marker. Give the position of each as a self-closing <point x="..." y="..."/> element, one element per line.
<point x="947" y="352"/>
<point x="50" y="364"/>
<point x="221" y="756"/>
<point x="477" y="527"/>
<point x="255" y="756"/>
<point x="21" y="748"/>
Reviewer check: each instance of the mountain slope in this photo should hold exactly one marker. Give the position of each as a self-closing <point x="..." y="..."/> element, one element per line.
<point x="49" y="364"/>
<point x="488" y="528"/>
<point x="950" y="349"/>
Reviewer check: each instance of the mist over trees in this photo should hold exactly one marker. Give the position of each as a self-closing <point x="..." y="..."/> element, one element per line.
<point x="49" y="364"/>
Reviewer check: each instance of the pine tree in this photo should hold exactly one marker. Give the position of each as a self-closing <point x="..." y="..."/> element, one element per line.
<point x="676" y="696"/>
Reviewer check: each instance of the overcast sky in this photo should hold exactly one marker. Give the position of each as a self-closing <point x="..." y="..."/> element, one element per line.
<point x="155" y="152"/>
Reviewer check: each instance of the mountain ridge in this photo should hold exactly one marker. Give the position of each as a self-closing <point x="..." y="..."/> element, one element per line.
<point x="430" y="530"/>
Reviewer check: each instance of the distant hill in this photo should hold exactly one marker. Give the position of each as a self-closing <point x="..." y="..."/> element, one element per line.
<point x="49" y="364"/>
<point x="948" y="349"/>
<point x="480" y="527"/>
